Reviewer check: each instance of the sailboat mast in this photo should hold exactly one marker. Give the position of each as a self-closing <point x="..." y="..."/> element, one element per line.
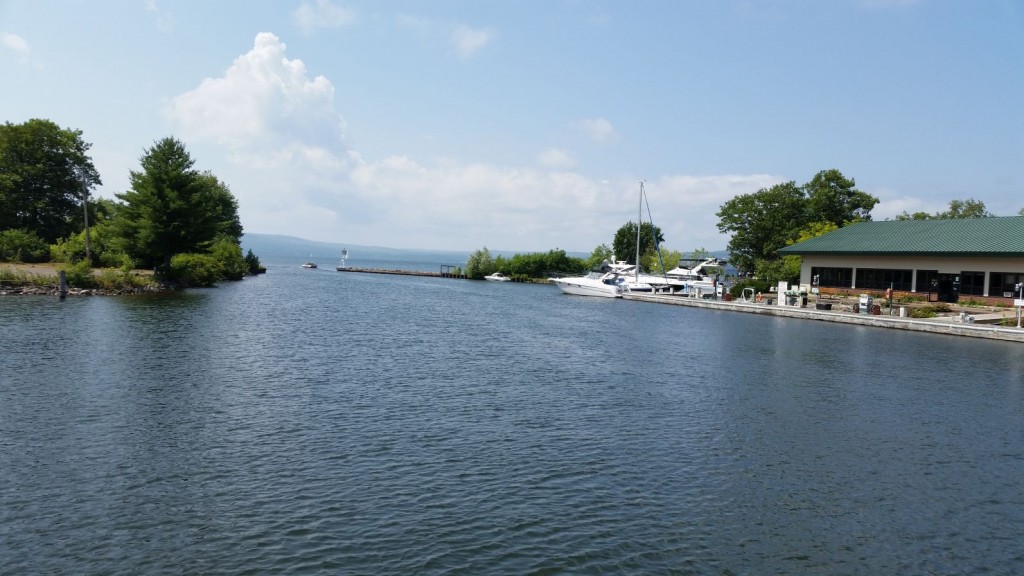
<point x="639" y="222"/>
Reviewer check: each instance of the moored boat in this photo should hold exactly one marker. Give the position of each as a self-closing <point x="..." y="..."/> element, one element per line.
<point x="603" y="282"/>
<point x="497" y="277"/>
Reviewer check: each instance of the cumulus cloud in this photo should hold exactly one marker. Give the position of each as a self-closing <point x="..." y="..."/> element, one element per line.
<point x="289" y="166"/>
<point x="599" y="130"/>
<point x="321" y="14"/>
<point x="266" y="107"/>
<point x="468" y="41"/>
<point x="18" y="45"/>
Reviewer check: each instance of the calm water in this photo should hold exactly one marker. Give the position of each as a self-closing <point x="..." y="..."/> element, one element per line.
<point x="315" y="422"/>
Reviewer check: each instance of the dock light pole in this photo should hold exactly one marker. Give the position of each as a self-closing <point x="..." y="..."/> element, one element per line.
<point x="1020" y="299"/>
<point x="85" y="207"/>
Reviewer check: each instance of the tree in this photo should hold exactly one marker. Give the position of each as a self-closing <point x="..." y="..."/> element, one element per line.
<point x="624" y="244"/>
<point x="173" y="209"/>
<point x="601" y="253"/>
<point x="831" y="197"/>
<point x="44" y="175"/>
<point x="958" y="209"/>
<point x="479" y="264"/>
<point x="761" y="223"/>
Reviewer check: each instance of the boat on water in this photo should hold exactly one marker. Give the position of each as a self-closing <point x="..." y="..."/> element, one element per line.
<point x="695" y="281"/>
<point x="497" y="277"/>
<point x="309" y="265"/>
<point x="636" y="281"/>
<point x="344" y="260"/>
<point x="604" y="282"/>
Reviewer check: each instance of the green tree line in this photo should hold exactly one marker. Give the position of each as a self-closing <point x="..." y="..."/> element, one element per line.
<point x="181" y="222"/>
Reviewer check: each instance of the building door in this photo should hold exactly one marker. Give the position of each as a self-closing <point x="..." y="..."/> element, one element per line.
<point x="948" y="287"/>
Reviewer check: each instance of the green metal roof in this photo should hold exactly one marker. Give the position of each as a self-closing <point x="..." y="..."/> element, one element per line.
<point x="995" y="236"/>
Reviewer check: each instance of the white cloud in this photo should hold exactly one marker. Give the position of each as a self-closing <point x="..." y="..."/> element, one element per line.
<point x="323" y="14"/>
<point x="599" y="130"/>
<point x="556" y="158"/>
<point x="164" y="19"/>
<point x="18" y="45"/>
<point x="264" y="107"/>
<point x="292" y="173"/>
<point x="468" y="41"/>
<point x="685" y="207"/>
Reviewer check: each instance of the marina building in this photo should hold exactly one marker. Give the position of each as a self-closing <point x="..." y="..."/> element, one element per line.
<point x="981" y="258"/>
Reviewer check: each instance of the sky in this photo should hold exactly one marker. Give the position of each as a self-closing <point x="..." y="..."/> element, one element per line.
<point x="529" y="125"/>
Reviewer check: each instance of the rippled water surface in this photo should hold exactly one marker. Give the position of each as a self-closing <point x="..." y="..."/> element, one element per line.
<point x="316" y="422"/>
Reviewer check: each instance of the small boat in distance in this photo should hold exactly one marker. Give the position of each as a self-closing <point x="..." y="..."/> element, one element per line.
<point x="497" y="277"/>
<point x="344" y="256"/>
<point x="309" y="265"/>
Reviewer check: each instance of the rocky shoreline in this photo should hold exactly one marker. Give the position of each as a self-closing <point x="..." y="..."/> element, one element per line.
<point x="54" y="290"/>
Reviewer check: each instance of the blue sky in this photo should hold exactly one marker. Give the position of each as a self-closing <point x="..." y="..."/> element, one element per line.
<point x="528" y="125"/>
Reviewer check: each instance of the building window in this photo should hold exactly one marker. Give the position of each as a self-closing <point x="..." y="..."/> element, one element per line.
<point x="1004" y="284"/>
<point x="927" y="281"/>
<point x="833" y="277"/>
<point x="882" y="278"/>
<point x="972" y="283"/>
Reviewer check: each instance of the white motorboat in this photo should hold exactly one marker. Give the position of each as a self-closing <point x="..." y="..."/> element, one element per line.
<point x="497" y="277"/>
<point x="603" y="282"/>
<point x="635" y="281"/>
<point x="693" y="281"/>
<point x="309" y="265"/>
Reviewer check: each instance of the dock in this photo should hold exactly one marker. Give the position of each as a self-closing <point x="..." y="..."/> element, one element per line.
<point x="446" y="272"/>
<point x="950" y="325"/>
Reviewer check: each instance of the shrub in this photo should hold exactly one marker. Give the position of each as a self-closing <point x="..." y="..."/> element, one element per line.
<point x="121" y="279"/>
<point x="228" y="256"/>
<point x="253" y="263"/>
<point x="758" y="285"/>
<point x="193" y="270"/>
<point x="22" y="246"/>
<point x="79" y="274"/>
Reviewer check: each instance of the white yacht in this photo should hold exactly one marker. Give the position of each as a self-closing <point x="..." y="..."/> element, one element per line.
<point x="693" y="281"/>
<point x="638" y="281"/>
<point x="497" y="277"/>
<point x="603" y="282"/>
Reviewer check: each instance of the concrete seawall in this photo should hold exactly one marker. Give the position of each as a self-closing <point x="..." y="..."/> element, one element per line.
<point x="950" y="325"/>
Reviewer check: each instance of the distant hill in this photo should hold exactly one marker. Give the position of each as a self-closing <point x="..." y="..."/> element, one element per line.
<point x="278" y="248"/>
<point x="288" y="250"/>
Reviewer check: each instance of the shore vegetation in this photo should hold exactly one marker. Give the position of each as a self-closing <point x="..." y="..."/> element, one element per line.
<point x="178" y="223"/>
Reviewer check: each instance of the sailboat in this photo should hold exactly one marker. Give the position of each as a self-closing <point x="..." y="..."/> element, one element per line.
<point x="344" y="256"/>
<point x="612" y="280"/>
<point x="634" y="280"/>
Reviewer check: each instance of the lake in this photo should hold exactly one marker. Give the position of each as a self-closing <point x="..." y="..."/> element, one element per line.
<point x="314" y="422"/>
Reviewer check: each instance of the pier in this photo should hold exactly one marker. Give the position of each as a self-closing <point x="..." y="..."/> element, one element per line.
<point x="446" y="272"/>
<point x="951" y="325"/>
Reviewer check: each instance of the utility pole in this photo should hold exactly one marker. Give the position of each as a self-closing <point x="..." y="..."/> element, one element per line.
<point x="85" y="206"/>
